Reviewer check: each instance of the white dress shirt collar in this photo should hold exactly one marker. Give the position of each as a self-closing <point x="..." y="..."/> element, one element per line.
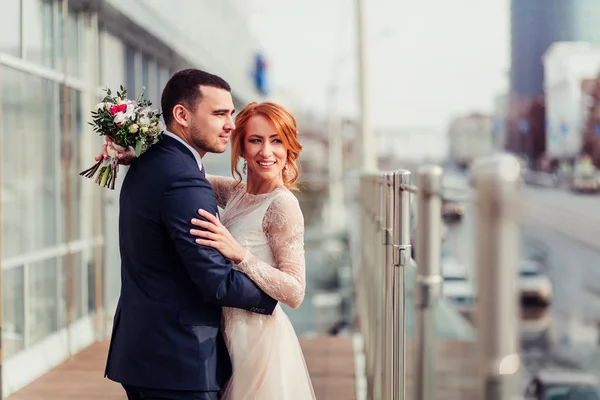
<point x="194" y="152"/>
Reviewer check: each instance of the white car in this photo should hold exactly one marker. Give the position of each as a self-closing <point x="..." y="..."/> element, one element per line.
<point x="585" y="178"/>
<point x="533" y="284"/>
<point x="457" y="286"/>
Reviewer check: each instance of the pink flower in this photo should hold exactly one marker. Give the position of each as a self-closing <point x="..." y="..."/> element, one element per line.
<point x="119" y="108"/>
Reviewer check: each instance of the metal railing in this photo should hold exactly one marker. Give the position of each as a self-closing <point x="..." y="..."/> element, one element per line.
<point x="381" y="286"/>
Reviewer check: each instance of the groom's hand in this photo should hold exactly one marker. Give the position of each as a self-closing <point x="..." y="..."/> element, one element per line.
<point x="125" y="158"/>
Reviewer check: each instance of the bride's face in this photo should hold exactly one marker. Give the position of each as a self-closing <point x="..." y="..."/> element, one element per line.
<point x="264" y="151"/>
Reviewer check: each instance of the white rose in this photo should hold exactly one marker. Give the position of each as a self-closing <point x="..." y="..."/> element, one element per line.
<point x="119" y="118"/>
<point x="133" y="128"/>
<point x="144" y="121"/>
<point x="144" y="129"/>
<point x="129" y="113"/>
<point x="100" y="106"/>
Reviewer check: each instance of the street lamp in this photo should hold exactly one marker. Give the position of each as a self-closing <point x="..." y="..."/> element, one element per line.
<point x="368" y="149"/>
<point x="335" y="149"/>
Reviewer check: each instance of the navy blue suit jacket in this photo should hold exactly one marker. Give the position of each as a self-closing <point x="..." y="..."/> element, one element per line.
<point x="166" y="332"/>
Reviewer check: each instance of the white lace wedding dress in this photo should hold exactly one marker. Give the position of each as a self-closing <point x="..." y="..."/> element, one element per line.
<point x="267" y="360"/>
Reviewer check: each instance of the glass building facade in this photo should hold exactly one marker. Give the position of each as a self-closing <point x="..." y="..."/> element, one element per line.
<point x="535" y="25"/>
<point x="59" y="241"/>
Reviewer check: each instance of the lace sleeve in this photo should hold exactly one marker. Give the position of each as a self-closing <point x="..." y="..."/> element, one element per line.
<point x="223" y="188"/>
<point x="285" y="281"/>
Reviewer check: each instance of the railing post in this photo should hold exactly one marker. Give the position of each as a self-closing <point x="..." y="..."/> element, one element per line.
<point x="361" y="283"/>
<point x="497" y="181"/>
<point x="378" y="272"/>
<point x="373" y="264"/>
<point x="428" y="279"/>
<point x="1" y="270"/>
<point x="367" y="255"/>
<point x="401" y="255"/>
<point x="387" y="292"/>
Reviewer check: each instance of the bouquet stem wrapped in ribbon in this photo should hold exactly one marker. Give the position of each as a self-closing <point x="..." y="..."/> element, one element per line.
<point x="104" y="172"/>
<point x="129" y="124"/>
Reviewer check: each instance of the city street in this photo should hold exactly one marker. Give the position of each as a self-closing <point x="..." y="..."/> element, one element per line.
<point x="562" y="231"/>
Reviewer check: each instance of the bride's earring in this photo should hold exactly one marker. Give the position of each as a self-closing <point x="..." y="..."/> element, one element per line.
<point x="245" y="168"/>
<point x="286" y="169"/>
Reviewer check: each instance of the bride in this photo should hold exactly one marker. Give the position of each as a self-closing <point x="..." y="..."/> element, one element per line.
<point x="262" y="231"/>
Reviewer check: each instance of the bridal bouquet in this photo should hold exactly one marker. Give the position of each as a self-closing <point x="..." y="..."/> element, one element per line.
<point x="128" y="123"/>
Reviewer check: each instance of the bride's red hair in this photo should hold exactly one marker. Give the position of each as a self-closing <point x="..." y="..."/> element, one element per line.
<point x="282" y="122"/>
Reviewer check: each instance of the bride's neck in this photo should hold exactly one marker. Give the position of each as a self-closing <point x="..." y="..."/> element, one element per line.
<point x="254" y="186"/>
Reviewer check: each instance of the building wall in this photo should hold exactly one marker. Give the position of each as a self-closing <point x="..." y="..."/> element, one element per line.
<point x="535" y="25"/>
<point x="59" y="241"/>
<point x="499" y="120"/>
<point x="567" y="66"/>
<point x="206" y="33"/>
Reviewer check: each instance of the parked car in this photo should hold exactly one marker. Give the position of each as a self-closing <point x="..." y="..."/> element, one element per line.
<point x="585" y="178"/>
<point x="540" y="179"/>
<point x="534" y="285"/>
<point x="457" y="285"/>
<point x="559" y="384"/>
<point x="535" y="327"/>
<point x="453" y="203"/>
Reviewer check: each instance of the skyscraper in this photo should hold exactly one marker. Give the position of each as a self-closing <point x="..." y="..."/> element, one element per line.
<point x="535" y="25"/>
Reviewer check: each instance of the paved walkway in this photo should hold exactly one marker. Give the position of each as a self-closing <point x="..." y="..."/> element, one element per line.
<point x="330" y="361"/>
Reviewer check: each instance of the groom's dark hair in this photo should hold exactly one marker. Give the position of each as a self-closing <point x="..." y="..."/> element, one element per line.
<point x="184" y="88"/>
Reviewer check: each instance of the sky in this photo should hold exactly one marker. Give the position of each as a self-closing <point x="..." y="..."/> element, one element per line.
<point x="429" y="60"/>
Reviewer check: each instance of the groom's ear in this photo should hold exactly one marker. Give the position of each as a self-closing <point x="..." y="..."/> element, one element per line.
<point x="181" y="115"/>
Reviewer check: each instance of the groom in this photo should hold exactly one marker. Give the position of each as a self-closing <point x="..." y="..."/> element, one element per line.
<point x="166" y="342"/>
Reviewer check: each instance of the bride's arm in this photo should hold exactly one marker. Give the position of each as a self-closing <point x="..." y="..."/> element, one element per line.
<point x="285" y="281"/>
<point x="223" y="188"/>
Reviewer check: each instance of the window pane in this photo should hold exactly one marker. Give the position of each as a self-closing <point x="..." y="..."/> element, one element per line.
<point x="130" y="68"/>
<point x="13" y="323"/>
<point x="75" y="129"/>
<point x="91" y="282"/>
<point x="114" y="65"/>
<point x="77" y="308"/>
<point x="74" y="37"/>
<point x="62" y="292"/>
<point x="151" y="85"/>
<point x="166" y="75"/>
<point x="42" y="313"/>
<point x="159" y="83"/>
<point x="163" y="77"/>
<point x="29" y="184"/>
<point x="38" y="37"/>
<point x="145" y="73"/>
<point x="10" y="27"/>
<point x="76" y="181"/>
<point x="58" y="38"/>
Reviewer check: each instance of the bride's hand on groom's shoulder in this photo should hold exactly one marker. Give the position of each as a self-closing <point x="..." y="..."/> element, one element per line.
<point x="217" y="236"/>
<point x="125" y="158"/>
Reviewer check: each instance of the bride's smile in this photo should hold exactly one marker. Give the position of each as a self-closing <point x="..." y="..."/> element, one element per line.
<point x="265" y="155"/>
